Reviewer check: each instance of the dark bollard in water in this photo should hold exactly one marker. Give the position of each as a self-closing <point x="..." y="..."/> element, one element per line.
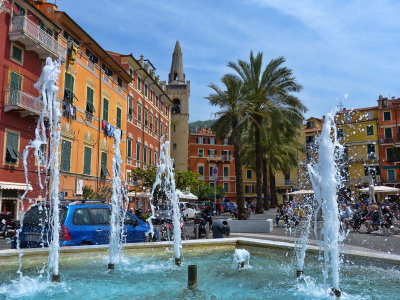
<point x="299" y="273"/>
<point x="178" y="261"/>
<point x="336" y="292"/>
<point x="55" y="278"/>
<point x="192" y="276"/>
<point x="111" y="266"/>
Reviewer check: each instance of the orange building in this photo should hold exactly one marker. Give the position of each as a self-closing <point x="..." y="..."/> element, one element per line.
<point x="148" y="115"/>
<point x="27" y="37"/>
<point x="93" y="94"/>
<point x="207" y="152"/>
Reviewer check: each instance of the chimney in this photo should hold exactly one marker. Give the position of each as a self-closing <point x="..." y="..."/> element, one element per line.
<point x="141" y="60"/>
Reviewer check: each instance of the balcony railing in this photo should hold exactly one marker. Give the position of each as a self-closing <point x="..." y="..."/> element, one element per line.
<point x="16" y="100"/>
<point x="214" y="157"/>
<point x="226" y="157"/>
<point x="36" y="39"/>
<point x="371" y="155"/>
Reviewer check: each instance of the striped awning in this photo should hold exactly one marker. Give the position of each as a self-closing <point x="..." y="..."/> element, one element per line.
<point x="4" y="185"/>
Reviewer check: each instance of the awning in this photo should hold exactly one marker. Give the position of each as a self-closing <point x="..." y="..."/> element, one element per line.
<point x="4" y="185"/>
<point x="185" y="195"/>
<point x="380" y="189"/>
<point x="140" y="194"/>
<point x="302" y="192"/>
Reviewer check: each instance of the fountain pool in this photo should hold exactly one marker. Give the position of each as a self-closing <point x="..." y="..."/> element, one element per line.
<point x="150" y="273"/>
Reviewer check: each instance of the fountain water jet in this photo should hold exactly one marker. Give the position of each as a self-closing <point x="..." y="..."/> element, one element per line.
<point x="325" y="179"/>
<point x="165" y="179"/>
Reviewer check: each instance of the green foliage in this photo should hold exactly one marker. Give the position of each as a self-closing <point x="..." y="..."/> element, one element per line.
<point x="206" y="192"/>
<point x="88" y="192"/>
<point x="104" y="192"/>
<point x="200" y="124"/>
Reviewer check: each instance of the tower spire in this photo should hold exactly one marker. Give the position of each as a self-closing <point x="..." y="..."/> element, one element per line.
<point x="176" y="75"/>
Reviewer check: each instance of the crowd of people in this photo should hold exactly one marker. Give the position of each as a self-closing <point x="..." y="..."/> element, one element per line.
<point x="384" y="216"/>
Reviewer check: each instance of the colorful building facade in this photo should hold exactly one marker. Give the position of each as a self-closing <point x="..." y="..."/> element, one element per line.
<point x="27" y="37"/>
<point x="207" y="152"/>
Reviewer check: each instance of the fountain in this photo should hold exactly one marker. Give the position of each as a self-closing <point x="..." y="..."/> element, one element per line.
<point x="325" y="179"/>
<point x="241" y="259"/>
<point x="117" y="214"/>
<point x="165" y="180"/>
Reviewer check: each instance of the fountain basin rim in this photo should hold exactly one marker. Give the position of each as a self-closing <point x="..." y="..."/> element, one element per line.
<point x="12" y="254"/>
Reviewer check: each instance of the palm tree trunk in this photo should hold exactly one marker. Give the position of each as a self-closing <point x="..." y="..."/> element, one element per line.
<point x="274" y="198"/>
<point x="238" y="170"/>
<point x="265" y="183"/>
<point x="257" y="139"/>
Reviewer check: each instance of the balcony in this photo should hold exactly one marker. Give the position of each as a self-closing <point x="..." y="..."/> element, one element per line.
<point x="36" y="39"/>
<point x="371" y="156"/>
<point x="214" y="158"/>
<point x="26" y="104"/>
<point x="226" y="157"/>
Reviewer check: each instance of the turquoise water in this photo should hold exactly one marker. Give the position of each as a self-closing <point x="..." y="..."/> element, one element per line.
<point x="271" y="275"/>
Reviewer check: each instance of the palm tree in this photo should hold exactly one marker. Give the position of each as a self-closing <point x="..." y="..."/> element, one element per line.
<point x="262" y="90"/>
<point x="230" y="103"/>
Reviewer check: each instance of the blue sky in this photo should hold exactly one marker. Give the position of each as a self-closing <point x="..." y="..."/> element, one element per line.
<point x="339" y="50"/>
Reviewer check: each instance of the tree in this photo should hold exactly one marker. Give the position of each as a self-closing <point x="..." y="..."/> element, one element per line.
<point x="230" y="102"/>
<point x="262" y="90"/>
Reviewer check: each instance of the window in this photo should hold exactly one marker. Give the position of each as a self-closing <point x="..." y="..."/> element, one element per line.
<point x="100" y="216"/>
<point x="15" y="88"/>
<point x="103" y="165"/>
<point x="161" y="127"/>
<point x="387" y="116"/>
<point x="213" y="141"/>
<point x="226" y="187"/>
<point x="129" y="145"/>
<point x="249" y="189"/>
<point x="287" y="179"/>
<point x="226" y="152"/>
<point x="200" y="170"/>
<point x="139" y="83"/>
<point x="226" y="171"/>
<point x="105" y="109"/>
<point x="130" y="72"/>
<point x="369" y="115"/>
<point x="200" y="140"/>
<point x="225" y="141"/>
<point x="339" y="133"/>
<point x="391" y="175"/>
<point x="151" y="121"/>
<point x="155" y="157"/>
<point x="145" y="154"/>
<point x="130" y="106"/>
<point x="156" y="125"/>
<point x="81" y="217"/>
<point x="310" y="124"/>
<point x="119" y="81"/>
<point x="89" y="101"/>
<point x="138" y="151"/>
<point x="69" y="88"/>
<point x="388" y="133"/>
<point x="370" y="129"/>
<point x="20" y="10"/>
<point x="146" y="112"/>
<point x="145" y="90"/>
<point x="150" y="156"/>
<point x="389" y="154"/>
<point x="12" y="146"/>
<point x="212" y="152"/>
<point x="118" y="123"/>
<point x="65" y="155"/>
<point x="210" y="170"/>
<point x="87" y="161"/>
<point x="371" y="148"/>
<point x="151" y="96"/>
<point x="201" y="152"/>
<point x="249" y="174"/>
<point x="156" y="101"/>
<point x="106" y="70"/>
<point x="93" y="58"/>
<point x="166" y="131"/>
<point x="17" y="54"/>
<point x="176" y="109"/>
<point x="139" y="112"/>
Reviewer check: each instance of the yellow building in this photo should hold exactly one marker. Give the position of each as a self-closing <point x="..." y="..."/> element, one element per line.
<point x="249" y="183"/>
<point x="93" y="92"/>
<point x="297" y="178"/>
<point x="357" y="130"/>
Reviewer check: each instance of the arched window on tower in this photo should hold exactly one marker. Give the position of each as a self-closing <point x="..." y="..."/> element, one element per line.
<point x="175" y="76"/>
<point x="176" y="109"/>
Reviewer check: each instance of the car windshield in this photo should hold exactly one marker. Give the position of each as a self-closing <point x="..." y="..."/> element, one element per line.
<point x="165" y="207"/>
<point x="38" y="215"/>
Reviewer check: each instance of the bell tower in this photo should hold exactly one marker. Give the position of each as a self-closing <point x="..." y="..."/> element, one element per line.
<point x="179" y="92"/>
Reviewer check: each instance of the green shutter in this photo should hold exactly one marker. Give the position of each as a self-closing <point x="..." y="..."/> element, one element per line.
<point x="65" y="155"/>
<point x="118" y="117"/>
<point x="69" y="87"/>
<point x="105" y="110"/>
<point x="139" y="113"/>
<point x="129" y="148"/>
<point x="17" y="53"/>
<point x="89" y="105"/>
<point x="104" y="171"/>
<point x="138" y="151"/>
<point x="12" y="153"/>
<point x="87" y="161"/>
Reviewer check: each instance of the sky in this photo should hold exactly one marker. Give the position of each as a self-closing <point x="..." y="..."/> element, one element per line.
<point x="341" y="51"/>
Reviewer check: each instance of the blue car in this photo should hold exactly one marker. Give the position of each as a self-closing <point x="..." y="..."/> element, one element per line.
<point x="81" y="224"/>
